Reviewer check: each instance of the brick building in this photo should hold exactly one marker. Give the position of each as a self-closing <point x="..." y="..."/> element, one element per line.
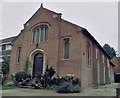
<point x="116" y="62"/>
<point x="5" y="51"/>
<point x="47" y="39"/>
<point x="5" y="47"/>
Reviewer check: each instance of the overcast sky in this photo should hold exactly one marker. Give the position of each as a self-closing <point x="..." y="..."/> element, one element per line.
<point x="99" y="18"/>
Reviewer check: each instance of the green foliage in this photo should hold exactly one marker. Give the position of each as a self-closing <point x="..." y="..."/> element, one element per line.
<point x="5" y="68"/>
<point x="39" y="86"/>
<point x="9" y="85"/>
<point x="20" y="75"/>
<point x="110" y="50"/>
<point x="68" y="87"/>
<point x="52" y="87"/>
<point x="55" y="81"/>
<point x="76" y="88"/>
<point x="3" y="79"/>
<point x="14" y="79"/>
<point x="69" y="84"/>
<point x="64" y="88"/>
<point x="47" y="77"/>
<point x="26" y="65"/>
<point x="5" y="64"/>
<point x="38" y="82"/>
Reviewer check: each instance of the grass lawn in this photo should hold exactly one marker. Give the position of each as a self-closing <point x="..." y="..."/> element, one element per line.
<point x="6" y="87"/>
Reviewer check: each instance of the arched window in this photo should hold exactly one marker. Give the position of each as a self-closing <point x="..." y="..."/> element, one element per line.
<point x="40" y="34"/>
<point x="66" y="43"/>
<point x="88" y="53"/>
<point x="18" y="54"/>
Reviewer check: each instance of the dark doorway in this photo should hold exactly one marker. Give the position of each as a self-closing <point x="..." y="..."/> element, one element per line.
<point x="38" y="65"/>
<point x="117" y="77"/>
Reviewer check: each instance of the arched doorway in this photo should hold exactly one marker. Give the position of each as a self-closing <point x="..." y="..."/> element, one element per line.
<point x="38" y="64"/>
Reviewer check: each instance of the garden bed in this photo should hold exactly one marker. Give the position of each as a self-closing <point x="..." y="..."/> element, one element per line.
<point x="67" y="84"/>
<point x="7" y="86"/>
<point x="118" y="92"/>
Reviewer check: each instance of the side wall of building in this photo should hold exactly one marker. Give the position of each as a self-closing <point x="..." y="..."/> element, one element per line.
<point x="99" y="72"/>
<point x="87" y="77"/>
<point x="72" y="65"/>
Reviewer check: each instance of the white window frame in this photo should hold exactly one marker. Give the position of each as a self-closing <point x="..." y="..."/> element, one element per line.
<point x="35" y="36"/>
<point x="39" y="35"/>
<point x="8" y="48"/>
<point x="44" y="34"/>
<point x="103" y="59"/>
<point x="108" y="64"/>
<point x="104" y="73"/>
<point x="88" y="52"/>
<point x="64" y="49"/>
<point x="96" y="53"/>
<point x="18" y="57"/>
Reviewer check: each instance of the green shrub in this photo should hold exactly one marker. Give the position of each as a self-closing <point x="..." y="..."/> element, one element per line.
<point x="69" y="84"/>
<point x="39" y="86"/>
<point x="20" y="75"/>
<point x="51" y="87"/>
<point x="64" y="88"/>
<point x="76" y="88"/>
<point x="54" y="81"/>
<point x="47" y="77"/>
<point x="68" y="88"/>
<point x="9" y="85"/>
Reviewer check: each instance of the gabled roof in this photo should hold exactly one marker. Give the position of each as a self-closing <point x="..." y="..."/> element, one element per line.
<point x="9" y="39"/>
<point x="41" y="7"/>
<point x="85" y="32"/>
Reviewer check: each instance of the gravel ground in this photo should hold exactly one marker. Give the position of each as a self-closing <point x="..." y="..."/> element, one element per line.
<point x="107" y="90"/>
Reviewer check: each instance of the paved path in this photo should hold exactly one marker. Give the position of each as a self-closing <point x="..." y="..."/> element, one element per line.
<point x="107" y="90"/>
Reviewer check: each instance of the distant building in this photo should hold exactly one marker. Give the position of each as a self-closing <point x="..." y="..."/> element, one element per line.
<point x="116" y="62"/>
<point x="47" y="39"/>
<point x="5" y="48"/>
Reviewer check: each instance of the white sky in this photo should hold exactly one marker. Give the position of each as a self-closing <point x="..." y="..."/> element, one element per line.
<point x="99" y="18"/>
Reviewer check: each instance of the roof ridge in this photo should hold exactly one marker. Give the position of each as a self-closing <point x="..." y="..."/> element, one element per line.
<point x="41" y="7"/>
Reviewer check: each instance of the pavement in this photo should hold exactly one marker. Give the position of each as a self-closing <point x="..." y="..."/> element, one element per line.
<point x="106" y="90"/>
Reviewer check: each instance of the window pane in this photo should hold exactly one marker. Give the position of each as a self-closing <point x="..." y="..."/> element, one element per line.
<point x="8" y="47"/>
<point x="41" y="38"/>
<point x="88" y="54"/>
<point x="66" y="48"/>
<point x="37" y="36"/>
<point x="40" y="34"/>
<point x="43" y="34"/>
<point x="18" y="54"/>
<point x="34" y="35"/>
<point x="96" y="54"/>
<point x="46" y="35"/>
<point x="103" y="59"/>
<point x="4" y="47"/>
